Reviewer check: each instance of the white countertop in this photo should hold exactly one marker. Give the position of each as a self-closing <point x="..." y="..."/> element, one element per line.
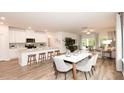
<point x="36" y="49"/>
<point x="74" y="58"/>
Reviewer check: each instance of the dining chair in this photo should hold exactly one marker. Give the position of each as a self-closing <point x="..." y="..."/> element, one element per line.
<point x="94" y="61"/>
<point x="60" y="66"/>
<point x="85" y="66"/>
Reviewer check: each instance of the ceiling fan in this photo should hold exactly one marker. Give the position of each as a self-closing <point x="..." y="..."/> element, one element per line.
<point x="87" y="30"/>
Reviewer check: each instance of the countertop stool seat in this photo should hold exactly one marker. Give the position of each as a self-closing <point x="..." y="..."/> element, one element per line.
<point x="57" y="52"/>
<point x="50" y="54"/>
<point x="42" y="57"/>
<point x="32" y="59"/>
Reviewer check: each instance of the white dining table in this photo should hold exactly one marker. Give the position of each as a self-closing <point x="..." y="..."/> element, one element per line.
<point x="75" y="58"/>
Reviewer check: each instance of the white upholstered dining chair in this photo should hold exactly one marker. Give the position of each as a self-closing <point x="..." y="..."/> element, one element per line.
<point x="85" y="66"/>
<point x="61" y="66"/>
<point x="95" y="60"/>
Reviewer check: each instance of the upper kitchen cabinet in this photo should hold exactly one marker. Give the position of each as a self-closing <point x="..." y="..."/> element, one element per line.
<point x="20" y="36"/>
<point x="40" y="36"/>
<point x="11" y="36"/>
<point x="17" y="35"/>
<point x="30" y="34"/>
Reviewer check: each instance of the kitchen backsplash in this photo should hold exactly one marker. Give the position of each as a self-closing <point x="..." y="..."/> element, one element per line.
<point x="22" y="45"/>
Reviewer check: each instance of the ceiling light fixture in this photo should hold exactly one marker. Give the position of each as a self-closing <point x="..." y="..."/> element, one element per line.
<point x="88" y="33"/>
<point x="1" y="23"/>
<point x="87" y="30"/>
<point x="2" y="18"/>
<point x="29" y="27"/>
<point x="91" y="30"/>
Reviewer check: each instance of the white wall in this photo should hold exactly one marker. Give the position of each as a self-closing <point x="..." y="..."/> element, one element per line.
<point x="4" y="42"/>
<point x="53" y="39"/>
<point x="71" y="35"/>
<point x="57" y="39"/>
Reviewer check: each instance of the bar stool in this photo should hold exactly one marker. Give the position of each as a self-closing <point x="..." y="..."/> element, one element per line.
<point x="50" y="54"/>
<point x="57" y="52"/>
<point x="42" y="57"/>
<point x="31" y="59"/>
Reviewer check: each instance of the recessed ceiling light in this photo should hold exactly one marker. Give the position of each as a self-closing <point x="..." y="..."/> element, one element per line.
<point x="29" y="27"/>
<point x="91" y="30"/>
<point x="1" y="23"/>
<point x="84" y="31"/>
<point x="2" y="18"/>
<point x="88" y="33"/>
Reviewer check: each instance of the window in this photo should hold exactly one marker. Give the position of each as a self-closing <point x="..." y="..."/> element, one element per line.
<point x="89" y="42"/>
<point x="101" y="41"/>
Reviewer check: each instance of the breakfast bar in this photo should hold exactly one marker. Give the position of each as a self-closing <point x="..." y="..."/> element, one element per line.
<point x="23" y="54"/>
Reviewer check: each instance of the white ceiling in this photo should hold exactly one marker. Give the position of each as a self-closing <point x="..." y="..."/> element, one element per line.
<point x="61" y="21"/>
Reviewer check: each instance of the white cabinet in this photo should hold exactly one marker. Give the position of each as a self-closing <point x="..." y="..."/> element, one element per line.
<point x="20" y="36"/>
<point x="17" y="36"/>
<point x="30" y="34"/>
<point x="40" y="37"/>
<point x="11" y="37"/>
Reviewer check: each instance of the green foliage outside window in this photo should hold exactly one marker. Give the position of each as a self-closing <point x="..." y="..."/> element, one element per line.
<point x="84" y="42"/>
<point x="89" y="42"/>
<point x="101" y="41"/>
<point x="92" y="42"/>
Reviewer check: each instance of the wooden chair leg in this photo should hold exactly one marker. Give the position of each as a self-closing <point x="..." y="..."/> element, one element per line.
<point x="85" y="75"/>
<point x="94" y="68"/>
<point x="56" y="74"/>
<point x="30" y="63"/>
<point x="65" y="75"/>
<point x="89" y="73"/>
<point x="92" y="71"/>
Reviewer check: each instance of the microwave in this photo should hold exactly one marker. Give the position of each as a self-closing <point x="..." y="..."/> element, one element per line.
<point x="30" y="40"/>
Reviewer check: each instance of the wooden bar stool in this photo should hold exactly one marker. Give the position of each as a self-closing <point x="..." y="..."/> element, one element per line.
<point x="50" y="54"/>
<point x="31" y="59"/>
<point x="57" y="52"/>
<point x="42" y="57"/>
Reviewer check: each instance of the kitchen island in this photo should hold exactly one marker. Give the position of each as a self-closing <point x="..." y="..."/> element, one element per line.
<point x="23" y="54"/>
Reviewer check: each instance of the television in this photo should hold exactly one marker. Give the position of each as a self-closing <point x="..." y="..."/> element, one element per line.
<point x="70" y="44"/>
<point x="73" y="41"/>
<point x="70" y="41"/>
<point x="30" y="40"/>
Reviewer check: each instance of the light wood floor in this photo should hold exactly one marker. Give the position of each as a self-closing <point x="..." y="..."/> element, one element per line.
<point x="13" y="71"/>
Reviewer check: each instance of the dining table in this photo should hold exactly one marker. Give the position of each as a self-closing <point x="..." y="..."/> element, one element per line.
<point x="74" y="58"/>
